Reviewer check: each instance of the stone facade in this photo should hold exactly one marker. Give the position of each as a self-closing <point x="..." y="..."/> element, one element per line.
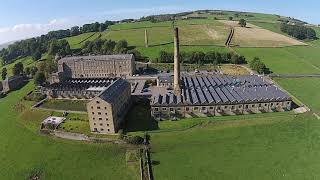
<point x="107" y="110"/>
<point x="12" y="83"/>
<point x="172" y="112"/>
<point x="96" y="66"/>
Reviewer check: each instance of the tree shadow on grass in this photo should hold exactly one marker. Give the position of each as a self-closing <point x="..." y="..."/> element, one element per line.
<point x="139" y="118"/>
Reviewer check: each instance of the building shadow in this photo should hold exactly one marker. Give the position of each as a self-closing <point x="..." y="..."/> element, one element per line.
<point x="139" y="118"/>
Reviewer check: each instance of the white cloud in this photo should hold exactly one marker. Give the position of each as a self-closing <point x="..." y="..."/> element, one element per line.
<point x="23" y="31"/>
<point x="28" y="30"/>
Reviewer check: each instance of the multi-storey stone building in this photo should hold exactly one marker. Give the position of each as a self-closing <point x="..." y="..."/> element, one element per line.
<point x="95" y="67"/>
<point x="106" y="111"/>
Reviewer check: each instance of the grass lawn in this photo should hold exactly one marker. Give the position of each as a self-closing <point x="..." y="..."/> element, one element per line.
<point x="77" y="41"/>
<point x="24" y="152"/>
<point x="69" y="105"/>
<point x="305" y="89"/>
<point x="285" y="147"/>
<point x="285" y="60"/>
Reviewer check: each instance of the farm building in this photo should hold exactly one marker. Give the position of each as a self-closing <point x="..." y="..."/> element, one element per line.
<point x="107" y="110"/>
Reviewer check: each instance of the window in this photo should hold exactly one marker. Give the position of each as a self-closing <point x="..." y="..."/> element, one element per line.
<point x="102" y="129"/>
<point x="232" y="107"/>
<point x="277" y="104"/>
<point x="92" y="112"/>
<point x="187" y="109"/>
<point x="240" y="106"/>
<point x="156" y="109"/>
<point x="179" y="109"/>
<point x="252" y="105"/>
<point x="266" y="105"/>
<point x="98" y="107"/>
<point x="101" y="124"/>
<point x="100" y="119"/>
<point x="107" y="124"/>
<point x="108" y="129"/>
<point x="218" y="107"/>
<point x="98" y="102"/>
<point x="106" y="113"/>
<point x="195" y="108"/>
<point x="204" y="108"/>
<point x="171" y="109"/>
<point x="91" y="107"/>
<point x="95" y="129"/>
<point x="225" y="107"/>
<point x="210" y="107"/>
<point x="99" y="113"/>
<point x="259" y="105"/>
<point x="93" y="118"/>
<point x="271" y="104"/>
<point x="288" y="103"/>
<point x="105" y="107"/>
<point x="164" y="109"/>
<point x="94" y="124"/>
<point x="247" y="106"/>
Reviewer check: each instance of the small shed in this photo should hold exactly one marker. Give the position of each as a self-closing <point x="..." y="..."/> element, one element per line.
<point x="52" y="122"/>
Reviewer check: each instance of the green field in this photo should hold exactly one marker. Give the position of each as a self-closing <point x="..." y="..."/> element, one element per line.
<point x="288" y="60"/>
<point x="305" y="89"/>
<point x="284" y="147"/>
<point x="77" y="41"/>
<point x="24" y="152"/>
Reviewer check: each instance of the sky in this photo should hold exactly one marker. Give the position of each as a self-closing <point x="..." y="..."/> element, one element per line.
<point x="20" y="19"/>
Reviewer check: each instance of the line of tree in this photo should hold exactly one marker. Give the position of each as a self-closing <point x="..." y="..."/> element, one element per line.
<point x="257" y="65"/>
<point x="199" y="57"/>
<point x="298" y="31"/>
<point x="36" y="46"/>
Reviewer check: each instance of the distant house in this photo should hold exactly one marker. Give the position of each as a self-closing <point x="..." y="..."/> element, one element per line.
<point x="12" y="83"/>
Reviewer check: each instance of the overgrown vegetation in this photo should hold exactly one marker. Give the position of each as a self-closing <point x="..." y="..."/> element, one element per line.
<point x="199" y="57"/>
<point x="298" y="31"/>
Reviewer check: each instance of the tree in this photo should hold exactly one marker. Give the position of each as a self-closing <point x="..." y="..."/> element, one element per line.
<point x="210" y="57"/>
<point x="257" y="65"/>
<point x="36" y="55"/>
<point x="121" y="46"/>
<point x="230" y="18"/>
<point x="17" y="69"/>
<point x="242" y="23"/>
<point x="75" y="30"/>
<point x="27" y="71"/>
<point x="4" y="73"/>
<point x="39" y="78"/>
<point x="33" y="70"/>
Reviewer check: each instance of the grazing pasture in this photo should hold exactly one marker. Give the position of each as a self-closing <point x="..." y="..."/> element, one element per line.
<point x="24" y="153"/>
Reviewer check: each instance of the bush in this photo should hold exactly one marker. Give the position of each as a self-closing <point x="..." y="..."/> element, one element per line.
<point x="134" y="140"/>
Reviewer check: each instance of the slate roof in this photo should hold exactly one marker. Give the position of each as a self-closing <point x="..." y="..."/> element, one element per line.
<point x="127" y="57"/>
<point x="213" y="90"/>
<point x="78" y="84"/>
<point x="111" y="93"/>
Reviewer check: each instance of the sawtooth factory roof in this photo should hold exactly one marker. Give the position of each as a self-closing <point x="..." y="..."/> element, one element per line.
<point x="213" y="90"/>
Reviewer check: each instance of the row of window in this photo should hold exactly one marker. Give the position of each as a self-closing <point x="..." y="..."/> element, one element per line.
<point x="101" y="124"/>
<point x="218" y="107"/>
<point x="100" y="119"/>
<point x="101" y="129"/>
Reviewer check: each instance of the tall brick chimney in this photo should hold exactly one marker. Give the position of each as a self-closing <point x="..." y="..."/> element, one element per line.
<point x="176" y="75"/>
<point x="146" y="41"/>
